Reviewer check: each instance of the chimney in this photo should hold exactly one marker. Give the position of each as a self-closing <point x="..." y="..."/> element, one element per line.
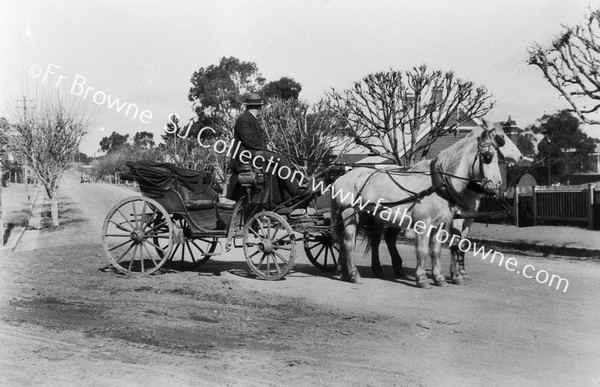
<point x="511" y="129"/>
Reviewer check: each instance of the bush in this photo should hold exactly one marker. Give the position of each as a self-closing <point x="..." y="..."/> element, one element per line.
<point x="114" y="163"/>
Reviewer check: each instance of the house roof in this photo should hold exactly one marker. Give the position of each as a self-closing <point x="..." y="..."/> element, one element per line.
<point x="463" y="121"/>
<point x="465" y="125"/>
<point x="510" y="126"/>
<point x="442" y="143"/>
<point x="351" y="158"/>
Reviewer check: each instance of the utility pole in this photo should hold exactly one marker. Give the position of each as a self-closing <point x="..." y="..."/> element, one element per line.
<point x="25" y="167"/>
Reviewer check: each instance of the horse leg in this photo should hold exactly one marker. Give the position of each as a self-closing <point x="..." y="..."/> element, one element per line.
<point x="461" y="261"/>
<point x="391" y="236"/>
<point x="422" y="249"/>
<point x="374" y="241"/>
<point x="435" y="250"/>
<point x="455" y="256"/>
<point x="349" y="271"/>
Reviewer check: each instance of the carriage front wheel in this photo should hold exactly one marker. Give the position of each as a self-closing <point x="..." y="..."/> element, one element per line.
<point x="269" y="245"/>
<point x="321" y="250"/>
<point x="129" y="233"/>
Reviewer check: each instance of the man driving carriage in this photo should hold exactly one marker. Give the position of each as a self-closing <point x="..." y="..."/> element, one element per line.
<point x="250" y="135"/>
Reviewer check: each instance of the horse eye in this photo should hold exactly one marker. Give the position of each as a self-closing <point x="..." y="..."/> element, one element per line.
<point x="487" y="157"/>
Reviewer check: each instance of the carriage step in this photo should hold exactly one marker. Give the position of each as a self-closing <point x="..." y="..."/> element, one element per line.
<point x="218" y="251"/>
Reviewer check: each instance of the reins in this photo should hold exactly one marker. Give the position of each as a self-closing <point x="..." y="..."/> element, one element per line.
<point x="442" y="185"/>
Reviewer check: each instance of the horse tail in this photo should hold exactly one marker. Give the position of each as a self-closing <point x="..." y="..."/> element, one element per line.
<point x="368" y="241"/>
<point x="371" y="231"/>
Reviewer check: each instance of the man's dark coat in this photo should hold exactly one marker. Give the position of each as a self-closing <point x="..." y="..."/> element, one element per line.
<point x="247" y="130"/>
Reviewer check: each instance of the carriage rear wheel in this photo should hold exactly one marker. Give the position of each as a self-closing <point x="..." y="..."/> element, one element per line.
<point x="269" y="245"/>
<point x="192" y="252"/>
<point x="129" y="233"/>
<point x="321" y="250"/>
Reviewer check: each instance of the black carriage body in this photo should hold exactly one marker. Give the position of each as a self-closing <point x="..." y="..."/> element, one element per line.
<point x="183" y="193"/>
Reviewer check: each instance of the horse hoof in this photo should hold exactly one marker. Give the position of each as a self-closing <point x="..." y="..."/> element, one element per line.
<point x="458" y="281"/>
<point x="378" y="272"/>
<point x="424" y="285"/>
<point x="441" y="283"/>
<point x="356" y="279"/>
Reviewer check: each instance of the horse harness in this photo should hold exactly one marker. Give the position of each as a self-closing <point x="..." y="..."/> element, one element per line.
<point x="443" y="187"/>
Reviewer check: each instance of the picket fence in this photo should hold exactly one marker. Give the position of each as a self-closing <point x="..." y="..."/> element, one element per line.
<point x="538" y="205"/>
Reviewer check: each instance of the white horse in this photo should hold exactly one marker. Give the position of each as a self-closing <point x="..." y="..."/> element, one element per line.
<point x="377" y="195"/>
<point x="461" y="227"/>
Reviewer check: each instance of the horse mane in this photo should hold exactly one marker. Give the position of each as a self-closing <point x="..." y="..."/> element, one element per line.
<point x="421" y="166"/>
<point x="451" y="158"/>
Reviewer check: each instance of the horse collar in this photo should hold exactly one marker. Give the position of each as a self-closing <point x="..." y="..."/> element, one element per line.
<point x="444" y="187"/>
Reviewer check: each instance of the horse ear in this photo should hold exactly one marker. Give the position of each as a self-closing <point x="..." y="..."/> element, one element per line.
<point x="499" y="140"/>
<point x="485" y="135"/>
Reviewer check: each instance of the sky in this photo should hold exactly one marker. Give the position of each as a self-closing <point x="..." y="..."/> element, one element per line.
<point x="145" y="52"/>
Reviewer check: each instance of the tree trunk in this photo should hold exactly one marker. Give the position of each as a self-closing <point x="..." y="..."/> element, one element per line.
<point x="1" y="219"/>
<point x="54" y="209"/>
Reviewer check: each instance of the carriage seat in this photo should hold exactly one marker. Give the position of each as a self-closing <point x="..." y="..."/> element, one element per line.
<point x="203" y="204"/>
<point x="250" y="177"/>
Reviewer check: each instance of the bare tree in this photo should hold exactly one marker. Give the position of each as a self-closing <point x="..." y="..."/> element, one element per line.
<point x="571" y="65"/>
<point x="388" y="112"/>
<point x="49" y="137"/>
<point x="310" y="136"/>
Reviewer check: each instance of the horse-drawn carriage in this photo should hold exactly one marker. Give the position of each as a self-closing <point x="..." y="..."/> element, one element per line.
<point x="180" y="221"/>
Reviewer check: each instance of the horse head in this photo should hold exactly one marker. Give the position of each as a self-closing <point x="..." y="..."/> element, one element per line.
<point x="507" y="148"/>
<point x="485" y="169"/>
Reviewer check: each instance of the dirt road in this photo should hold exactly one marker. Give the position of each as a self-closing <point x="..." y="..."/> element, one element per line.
<point x="64" y="321"/>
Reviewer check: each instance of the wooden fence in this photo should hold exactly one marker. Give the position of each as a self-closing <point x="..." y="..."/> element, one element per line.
<point x="567" y="205"/>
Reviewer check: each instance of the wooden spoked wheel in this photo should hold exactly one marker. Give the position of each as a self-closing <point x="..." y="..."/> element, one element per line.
<point x="192" y="252"/>
<point x="129" y="233"/>
<point x="269" y="245"/>
<point x="321" y="250"/>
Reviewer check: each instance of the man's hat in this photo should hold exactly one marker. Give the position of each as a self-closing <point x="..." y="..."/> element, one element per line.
<point x="253" y="99"/>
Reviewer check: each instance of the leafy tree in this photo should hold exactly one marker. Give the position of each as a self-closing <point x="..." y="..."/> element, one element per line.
<point x="526" y="142"/>
<point x="217" y="91"/>
<point x="143" y="140"/>
<point x="217" y="94"/>
<point x="565" y="148"/>
<point x="284" y="88"/>
<point x="49" y="138"/>
<point x="4" y="127"/>
<point x="571" y="65"/>
<point x="82" y="158"/>
<point x="113" y="163"/>
<point x="308" y="135"/>
<point x="114" y="142"/>
<point x="386" y="112"/>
